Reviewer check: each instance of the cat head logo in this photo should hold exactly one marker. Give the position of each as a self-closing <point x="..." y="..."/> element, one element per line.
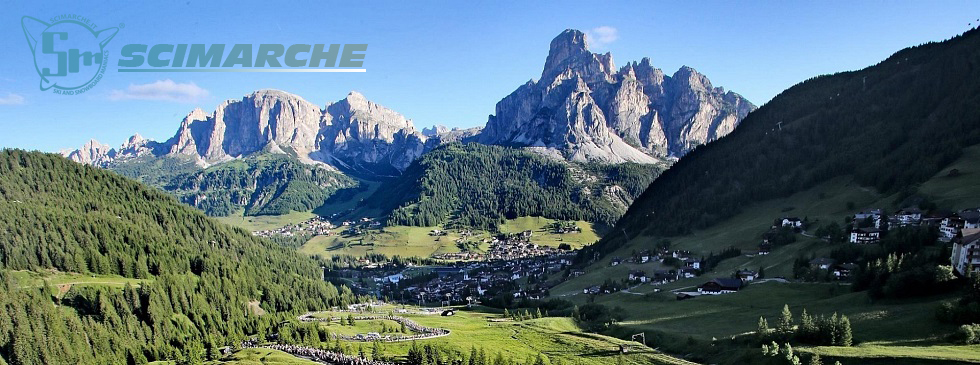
<point x="69" y="54"/>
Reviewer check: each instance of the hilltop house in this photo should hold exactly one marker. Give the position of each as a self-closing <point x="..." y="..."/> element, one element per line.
<point x="720" y="286"/>
<point x="746" y="275"/>
<point x="793" y="222"/>
<point x="966" y="252"/>
<point x="865" y="235"/>
<point x="874" y="214"/>
<point x="664" y="276"/>
<point x="687" y="272"/>
<point x="822" y="263"/>
<point x="765" y="247"/>
<point x="951" y="226"/>
<point x="843" y="271"/>
<point x="638" y="275"/>
<point x="644" y="257"/>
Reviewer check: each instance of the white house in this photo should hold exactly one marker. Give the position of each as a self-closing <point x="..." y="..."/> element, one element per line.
<point x="865" y="235"/>
<point x="909" y="216"/>
<point x="874" y="214"/>
<point x="966" y="252"/>
<point x="792" y="222"/>
<point x="747" y="275"/>
<point x="638" y="275"/>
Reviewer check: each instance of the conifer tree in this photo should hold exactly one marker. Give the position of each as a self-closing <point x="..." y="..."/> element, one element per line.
<point x="785" y="325"/>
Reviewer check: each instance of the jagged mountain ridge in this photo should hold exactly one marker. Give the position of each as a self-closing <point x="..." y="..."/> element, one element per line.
<point x="583" y="109"/>
<point x="352" y="133"/>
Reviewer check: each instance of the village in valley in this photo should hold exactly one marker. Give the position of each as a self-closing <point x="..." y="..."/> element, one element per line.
<point x="511" y="267"/>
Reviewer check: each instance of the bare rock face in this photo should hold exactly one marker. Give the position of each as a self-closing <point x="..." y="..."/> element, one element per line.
<point x="359" y="132"/>
<point x="353" y="132"/>
<point x="92" y="153"/>
<point x="583" y="109"/>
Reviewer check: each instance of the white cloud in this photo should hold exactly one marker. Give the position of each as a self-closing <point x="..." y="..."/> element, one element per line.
<point x="11" y="99"/>
<point x="166" y="90"/>
<point x="600" y="37"/>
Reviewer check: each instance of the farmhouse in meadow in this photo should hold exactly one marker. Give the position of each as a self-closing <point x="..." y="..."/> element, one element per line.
<point x="720" y="286"/>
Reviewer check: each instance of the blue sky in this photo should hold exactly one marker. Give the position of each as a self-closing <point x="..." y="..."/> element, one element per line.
<point x="445" y="62"/>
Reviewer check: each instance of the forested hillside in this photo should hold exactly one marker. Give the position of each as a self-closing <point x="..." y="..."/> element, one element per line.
<point x="478" y="186"/>
<point x="57" y="215"/>
<point x="265" y="184"/>
<point x="890" y="126"/>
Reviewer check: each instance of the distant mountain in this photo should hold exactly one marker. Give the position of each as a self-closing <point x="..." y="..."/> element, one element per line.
<point x="473" y="185"/>
<point x="353" y="133"/>
<point x="890" y="126"/>
<point x="583" y="109"/>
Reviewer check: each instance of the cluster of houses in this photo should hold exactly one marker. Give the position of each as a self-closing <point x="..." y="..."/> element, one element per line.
<point x="685" y="266"/>
<point x="962" y="229"/>
<point x="519" y="246"/>
<point x="505" y="247"/>
<point x="949" y="223"/>
<point x="316" y="226"/>
<point x="319" y="226"/>
<point x="519" y="275"/>
<point x="685" y="258"/>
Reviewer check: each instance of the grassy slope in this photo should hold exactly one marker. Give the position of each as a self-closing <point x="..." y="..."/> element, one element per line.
<point x="881" y="326"/>
<point x="557" y="338"/>
<point x="408" y="241"/>
<point x="61" y="282"/>
<point x="257" y="356"/>
<point x="958" y="192"/>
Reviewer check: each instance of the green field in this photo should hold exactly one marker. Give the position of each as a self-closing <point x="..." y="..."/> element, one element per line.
<point x="256" y="356"/>
<point x="61" y="282"/>
<point x="543" y="236"/>
<point x="556" y="338"/>
<point x="905" y="354"/>
<point x="409" y="241"/>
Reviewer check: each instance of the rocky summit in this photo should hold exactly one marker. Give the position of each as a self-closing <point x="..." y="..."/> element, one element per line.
<point x="584" y="109"/>
<point x="351" y="133"/>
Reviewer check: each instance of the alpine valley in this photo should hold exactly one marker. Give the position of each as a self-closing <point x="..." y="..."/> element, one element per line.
<point x="602" y="215"/>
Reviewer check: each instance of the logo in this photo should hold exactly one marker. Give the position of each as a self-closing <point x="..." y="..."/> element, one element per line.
<point x="69" y="52"/>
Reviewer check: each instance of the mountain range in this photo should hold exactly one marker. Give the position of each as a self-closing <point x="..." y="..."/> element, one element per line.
<point x="581" y="110"/>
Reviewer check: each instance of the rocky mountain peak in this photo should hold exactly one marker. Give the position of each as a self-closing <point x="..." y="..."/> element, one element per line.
<point x="584" y="109"/>
<point x="435" y="130"/>
<point x="92" y="152"/>
<point x="568" y="45"/>
<point x="691" y="78"/>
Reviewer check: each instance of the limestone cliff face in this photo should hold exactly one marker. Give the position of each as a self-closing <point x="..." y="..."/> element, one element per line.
<point x="584" y="109"/>
<point x="352" y="132"/>
<point x="92" y="153"/>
